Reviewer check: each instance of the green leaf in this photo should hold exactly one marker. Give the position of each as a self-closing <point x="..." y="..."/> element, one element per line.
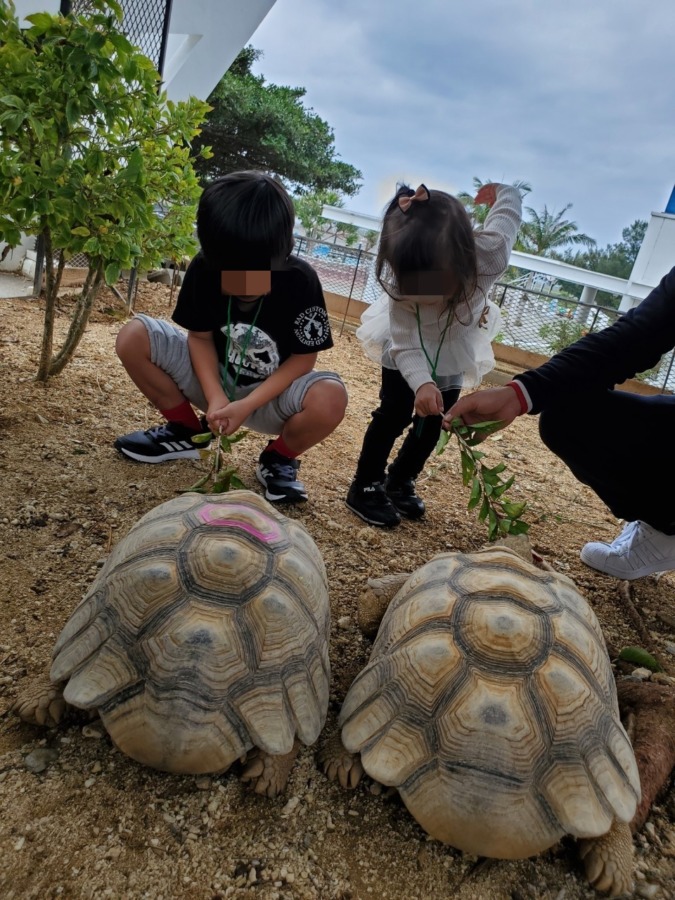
<point x="203" y="438"/>
<point x="112" y="272"/>
<point x="442" y="442"/>
<point x="81" y="231"/>
<point x="72" y="112"/>
<point x="41" y="21"/>
<point x="13" y="101"/>
<point x="484" y="510"/>
<point x="476" y="494"/>
<point x="237" y="484"/>
<point x="468" y="468"/>
<point x="513" y="510"/>
<point x="519" y="527"/>
<point x="488" y="427"/>
<point x="640" y="657"/>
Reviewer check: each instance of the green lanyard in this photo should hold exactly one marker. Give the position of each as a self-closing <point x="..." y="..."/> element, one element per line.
<point x="434" y="363"/>
<point x="228" y="343"/>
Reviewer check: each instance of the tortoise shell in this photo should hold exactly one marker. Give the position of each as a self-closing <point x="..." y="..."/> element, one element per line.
<point x="204" y="634"/>
<point x="489" y="703"/>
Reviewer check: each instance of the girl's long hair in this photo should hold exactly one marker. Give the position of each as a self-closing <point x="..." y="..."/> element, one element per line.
<point x="433" y="235"/>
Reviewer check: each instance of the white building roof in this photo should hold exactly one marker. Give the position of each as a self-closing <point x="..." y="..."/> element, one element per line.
<point x="204" y="38"/>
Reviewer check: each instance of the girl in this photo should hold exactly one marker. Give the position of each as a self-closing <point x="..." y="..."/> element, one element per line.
<point x="432" y="336"/>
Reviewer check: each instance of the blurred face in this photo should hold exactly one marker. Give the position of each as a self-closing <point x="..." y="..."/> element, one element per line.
<point x="247" y="285"/>
<point x="438" y="283"/>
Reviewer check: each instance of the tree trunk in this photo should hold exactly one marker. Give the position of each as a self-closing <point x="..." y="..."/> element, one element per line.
<point x="79" y="321"/>
<point x="50" y="309"/>
<point x="653" y="708"/>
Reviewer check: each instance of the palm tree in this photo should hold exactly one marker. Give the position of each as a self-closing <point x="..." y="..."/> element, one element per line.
<point x="479" y="212"/>
<point x="546" y="232"/>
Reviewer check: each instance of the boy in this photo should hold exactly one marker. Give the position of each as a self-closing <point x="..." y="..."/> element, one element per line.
<point x="256" y="320"/>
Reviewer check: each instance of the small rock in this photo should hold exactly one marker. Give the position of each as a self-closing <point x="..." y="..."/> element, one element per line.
<point x="203" y="784"/>
<point x="344" y="622"/>
<point x="39" y="760"/>
<point x="92" y="731"/>
<point x="648" y="891"/>
<point x="642" y="674"/>
<point x="113" y="853"/>
<point x="662" y="678"/>
<point x="290" y="806"/>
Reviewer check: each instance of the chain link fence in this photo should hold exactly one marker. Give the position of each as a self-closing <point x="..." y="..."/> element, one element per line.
<point x="539" y="321"/>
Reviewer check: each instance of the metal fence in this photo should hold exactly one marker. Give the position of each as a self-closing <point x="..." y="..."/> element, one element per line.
<point x="532" y="320"/>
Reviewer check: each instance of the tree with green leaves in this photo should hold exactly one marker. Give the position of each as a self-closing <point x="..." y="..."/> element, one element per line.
<point x="90" y="149"/>
<point x="479" y="211"/>
<point x="614" y="259"/>
<point x="545" y="232"/>
<point x="309" y="211"/>
<point x="257" y="125"/>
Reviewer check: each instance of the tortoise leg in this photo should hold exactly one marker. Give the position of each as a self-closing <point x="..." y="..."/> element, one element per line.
<point x="608" y="860"/>
<point x="338" y="763"/>
<point x="41" y="703"/>
<point x="268" y="775"/>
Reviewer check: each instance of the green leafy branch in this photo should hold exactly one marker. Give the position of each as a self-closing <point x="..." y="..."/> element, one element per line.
<point x="222" y="476"/>
<point x="487" y="487"/>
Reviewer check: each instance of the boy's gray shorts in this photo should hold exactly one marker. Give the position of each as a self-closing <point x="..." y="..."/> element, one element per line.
<point x="169" y="351"/>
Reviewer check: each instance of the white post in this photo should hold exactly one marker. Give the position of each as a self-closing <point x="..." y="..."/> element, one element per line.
<point x="586" y="301"/>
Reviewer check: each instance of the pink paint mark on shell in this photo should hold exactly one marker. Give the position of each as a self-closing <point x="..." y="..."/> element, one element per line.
<point x="268" y="530"/>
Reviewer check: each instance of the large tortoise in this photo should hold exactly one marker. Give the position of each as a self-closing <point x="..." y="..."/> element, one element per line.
<point x="489" y="703"/>
<point x="204" y="635"/>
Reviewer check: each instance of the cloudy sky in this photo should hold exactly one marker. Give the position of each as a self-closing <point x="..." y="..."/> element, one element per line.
<point x="577" y="97"/>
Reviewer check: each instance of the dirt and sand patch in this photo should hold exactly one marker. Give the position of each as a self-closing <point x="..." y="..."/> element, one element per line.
<point x="81" y="820"/>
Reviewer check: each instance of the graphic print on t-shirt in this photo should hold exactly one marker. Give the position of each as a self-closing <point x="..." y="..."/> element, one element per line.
<point x="311" y="326"/>
<point x="252" y="352"/>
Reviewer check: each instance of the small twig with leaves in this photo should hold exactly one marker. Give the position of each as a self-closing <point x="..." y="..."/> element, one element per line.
<point x="221" y="476"/>
<point x="487" y="488"/>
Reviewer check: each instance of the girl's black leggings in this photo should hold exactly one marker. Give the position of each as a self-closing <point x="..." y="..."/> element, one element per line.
<point x="394" y="414"/>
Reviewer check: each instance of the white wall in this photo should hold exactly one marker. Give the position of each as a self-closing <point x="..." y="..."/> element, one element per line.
<point x="655" y="258"/>
<point x="204" y="38"/>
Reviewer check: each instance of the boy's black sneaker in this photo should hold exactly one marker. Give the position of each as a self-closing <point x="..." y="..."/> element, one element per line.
<point x="404" y="497"/>
<point x="161" y="443"/>
<point x="370" y="502"/>
<point x="279" y="476"/>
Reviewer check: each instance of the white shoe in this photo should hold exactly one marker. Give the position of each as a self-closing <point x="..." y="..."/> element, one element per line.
<point x="638" y="551"/>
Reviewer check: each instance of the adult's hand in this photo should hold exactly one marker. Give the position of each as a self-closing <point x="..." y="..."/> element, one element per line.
<point x="495" y="404"/>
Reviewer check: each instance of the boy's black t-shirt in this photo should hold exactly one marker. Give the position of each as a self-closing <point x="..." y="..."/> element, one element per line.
<point x="291" y="319"/>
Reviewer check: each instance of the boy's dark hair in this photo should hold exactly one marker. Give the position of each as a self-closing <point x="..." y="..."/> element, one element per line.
<point x="434" y="235"/>
<point x="245" y="222"/>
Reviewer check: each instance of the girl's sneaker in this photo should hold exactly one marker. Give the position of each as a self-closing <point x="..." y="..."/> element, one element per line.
<point x="370" y="502"/>
<point x="404" y="497"/>
<point x="638" y="551"/>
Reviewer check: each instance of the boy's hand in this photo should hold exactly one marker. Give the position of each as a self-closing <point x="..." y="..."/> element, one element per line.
<point x="486" y="195"/>
<point x="230" y="418"/>
<point x="495" y="404"/>
<point x="428" y="400"/>
<point x="215" y="413"/>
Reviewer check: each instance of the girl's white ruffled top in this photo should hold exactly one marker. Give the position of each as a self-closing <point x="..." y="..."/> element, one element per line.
<point x="390" y="331"/>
